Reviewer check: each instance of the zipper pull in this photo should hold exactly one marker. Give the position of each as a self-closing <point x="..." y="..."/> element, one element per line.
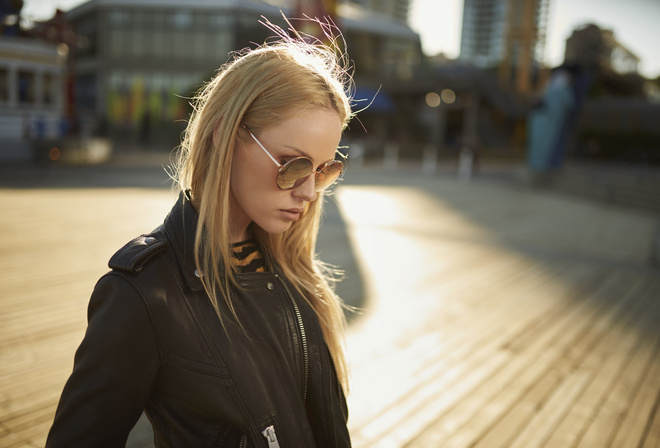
<point x="269" y="434"/>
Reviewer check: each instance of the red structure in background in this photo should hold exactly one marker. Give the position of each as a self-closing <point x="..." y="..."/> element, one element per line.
<point x="58" y="31"/>
<point x="315" y="9"/>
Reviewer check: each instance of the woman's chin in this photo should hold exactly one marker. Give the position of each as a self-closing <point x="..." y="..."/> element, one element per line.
<point x="276" y="228"/>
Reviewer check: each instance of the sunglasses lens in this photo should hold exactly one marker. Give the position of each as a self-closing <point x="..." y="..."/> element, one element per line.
<point x="294" y="173"/>
<point x="328" y="175"/>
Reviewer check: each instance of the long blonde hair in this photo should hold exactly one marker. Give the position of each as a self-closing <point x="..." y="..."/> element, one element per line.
<point x="259" y="89"/>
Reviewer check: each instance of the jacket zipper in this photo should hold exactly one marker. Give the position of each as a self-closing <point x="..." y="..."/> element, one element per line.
<point x="271" y="437"/>
<point x="303" y="335"/>
<point x="340" y="388"/>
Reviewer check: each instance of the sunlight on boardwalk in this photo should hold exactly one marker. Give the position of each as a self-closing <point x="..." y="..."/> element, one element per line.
<point x="493" y="317"/>
<point x="502" y="319"/>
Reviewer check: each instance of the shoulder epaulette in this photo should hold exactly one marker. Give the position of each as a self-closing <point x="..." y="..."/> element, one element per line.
<point x="133" y="256"/>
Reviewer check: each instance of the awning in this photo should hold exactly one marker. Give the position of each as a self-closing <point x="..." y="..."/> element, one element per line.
<point x="374" y="100"/>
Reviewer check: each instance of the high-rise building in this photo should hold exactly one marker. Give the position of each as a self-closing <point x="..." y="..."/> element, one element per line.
<point x="395" y="9"/>
<point x="483" y="31"/>
<point x="508" y="34"/>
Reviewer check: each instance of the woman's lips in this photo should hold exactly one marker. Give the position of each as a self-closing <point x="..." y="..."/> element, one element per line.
<point x="292" y="214"/>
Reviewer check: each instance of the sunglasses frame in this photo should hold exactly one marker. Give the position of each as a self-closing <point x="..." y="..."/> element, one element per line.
<point x="282" y="167"/>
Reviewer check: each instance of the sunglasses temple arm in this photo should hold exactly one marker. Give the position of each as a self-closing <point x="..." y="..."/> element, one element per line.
<point x="265" y="150"/>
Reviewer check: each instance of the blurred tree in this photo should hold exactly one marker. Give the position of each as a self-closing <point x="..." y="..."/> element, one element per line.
<point x="10" y="17"/>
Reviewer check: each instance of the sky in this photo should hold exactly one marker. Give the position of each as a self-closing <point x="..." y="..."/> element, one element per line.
<point x="634" y="22"/>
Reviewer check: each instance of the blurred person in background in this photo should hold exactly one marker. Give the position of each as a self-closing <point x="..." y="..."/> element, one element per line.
<point x="222" y="324"/>
<point x="547" y="121"/>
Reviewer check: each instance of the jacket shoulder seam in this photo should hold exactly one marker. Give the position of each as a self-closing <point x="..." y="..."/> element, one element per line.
<point x="136" y="253"/>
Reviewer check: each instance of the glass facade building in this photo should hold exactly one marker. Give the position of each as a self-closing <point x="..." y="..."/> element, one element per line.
<point x="138" y="61"/>
<point x="494" y="31"/>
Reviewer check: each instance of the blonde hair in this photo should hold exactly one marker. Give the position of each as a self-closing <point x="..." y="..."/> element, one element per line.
<point x="259" y="89"/>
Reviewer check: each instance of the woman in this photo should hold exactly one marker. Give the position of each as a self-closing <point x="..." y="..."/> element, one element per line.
<point x="221" y="324"/>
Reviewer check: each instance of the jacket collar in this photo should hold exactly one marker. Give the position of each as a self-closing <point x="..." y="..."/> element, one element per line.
<point x="180" y="228"/>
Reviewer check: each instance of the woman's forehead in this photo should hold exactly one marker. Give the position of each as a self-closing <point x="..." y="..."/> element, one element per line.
<point x="315" y="134"/>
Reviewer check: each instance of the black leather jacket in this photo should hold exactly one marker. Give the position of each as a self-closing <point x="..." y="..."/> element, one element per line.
<point x="154" y="343"/>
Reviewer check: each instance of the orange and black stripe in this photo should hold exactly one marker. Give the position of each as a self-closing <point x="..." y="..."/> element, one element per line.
<point x="247" y="257"/>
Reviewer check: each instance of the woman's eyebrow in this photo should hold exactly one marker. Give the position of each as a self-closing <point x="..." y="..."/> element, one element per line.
<point x="303" y="153"/>
<point x="299" y="151"/>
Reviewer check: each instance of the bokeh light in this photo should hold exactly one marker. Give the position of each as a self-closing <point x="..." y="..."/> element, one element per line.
<point x="448" y="96"/>
<point x="433" y="99"/>
<point x="54" y="153"/>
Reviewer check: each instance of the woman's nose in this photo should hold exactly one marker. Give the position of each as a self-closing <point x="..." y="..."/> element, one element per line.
<point x="307" y="190"/>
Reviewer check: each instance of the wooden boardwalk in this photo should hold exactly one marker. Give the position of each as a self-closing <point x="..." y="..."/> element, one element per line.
<point x="492" y="315"/>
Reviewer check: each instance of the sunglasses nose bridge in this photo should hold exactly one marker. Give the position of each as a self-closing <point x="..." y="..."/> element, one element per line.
<point x="328" y="175"/>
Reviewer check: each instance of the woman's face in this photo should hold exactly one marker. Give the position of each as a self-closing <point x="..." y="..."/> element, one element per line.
<point x="254" y="194"/>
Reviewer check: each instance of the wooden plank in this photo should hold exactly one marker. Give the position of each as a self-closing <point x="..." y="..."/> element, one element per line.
<point x="620" y="395"/>
<point x="632" y="430"/>
<point x="535" y="434"/>
<point x="30" y="436"/>
<point x="29" y="422"/>
<point x="489" y="376"/>
<point x="451" y="364"/>
<point x="607" y="362"/>
<point x="500" y="421"/>
<point x="420" y="360"/>
<point x="598" y="367"/>
<point x="652" y="430"/>
<point x="48" y="274"/>
<point x="512" y="376"/>
<point x="490" y="319"/>
<point x="495" y="347"/>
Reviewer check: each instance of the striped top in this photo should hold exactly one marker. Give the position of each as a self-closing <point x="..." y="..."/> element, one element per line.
<point x="247" y="257"/>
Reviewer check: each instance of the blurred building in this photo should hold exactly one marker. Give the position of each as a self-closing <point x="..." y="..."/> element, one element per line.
<point x="380" y="41"/>
<point x="59" y="32"/>
<point x="136" y="59"/>
<point x="618" y="120"/>
<point x="31" y="85"/>
<point x="482" y="33"/>
<point x="481" y="99"/>
<point x="396" y="9"/>
<point x="31" y="94"/>
<point x="10" y="17"/>
<point x="505" y="34"/>
<point x="595" y="48"/>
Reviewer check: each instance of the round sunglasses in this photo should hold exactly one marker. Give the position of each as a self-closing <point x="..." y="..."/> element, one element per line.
<point x="296" y="171"/>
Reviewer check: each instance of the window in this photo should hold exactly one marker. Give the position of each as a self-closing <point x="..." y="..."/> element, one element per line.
<point x="119" y="19"/>
<point x="162" y="43"/>
<point x="4" y="85"/>
<point x="219" y="22"/>
<point x="25" y="87"/>
<point x="140" y="41"/>
<point x="117" y="43"/>
<point x="50" y="88"/>
<point x="182" y="19"/>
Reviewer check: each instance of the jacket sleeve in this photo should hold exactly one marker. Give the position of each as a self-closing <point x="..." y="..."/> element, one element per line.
<point x="113" y="373"/>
